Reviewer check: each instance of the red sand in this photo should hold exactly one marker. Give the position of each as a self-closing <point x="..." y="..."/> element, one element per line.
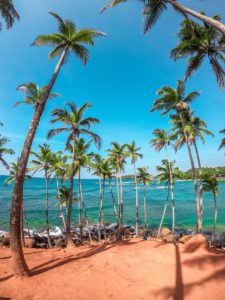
<point x="130" y="270"/>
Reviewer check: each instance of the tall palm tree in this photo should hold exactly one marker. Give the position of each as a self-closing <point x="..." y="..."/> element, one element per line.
<point x="133" y="153"/>
<point x="8" y="13"/>
<point x="98" y="165"/>
<point x="144" y="176"/>
<point x="162" y="140"/>
<point x="82" y="160"/>
<point x="195" y="129"/>
<point x="59" y="167"/>
<point x="164" y="176"/>
<point x="117" y="157"/>
<point x="154" y="8"/>
<point x="4" y="151"/>
<point x="42" y="162"/>
<point x="75" y="125"/>
<point x="198" y="43"/>
<point x="210" y="184"/>
<point x="66" y="41"/>
<point x="171" y="99"/>
<point x="222" y="145"/>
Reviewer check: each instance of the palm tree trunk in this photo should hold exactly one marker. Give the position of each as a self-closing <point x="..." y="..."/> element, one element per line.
<point x="194" y="176"/>
<point x="164" y="213"/>
<point x="119" y="237"/>
<point x="114" y="204"/>
<point x="145" y="207"/>
<point x="85" y="212"/>
<point x="172" y="193"/>
<point x="201" y="187"/>
<point x="136" y="192"/>
<point x="215" y="217"/>
<point x="100" y="211"/>
<point x="216" y="24"/>
<point x="60" y="206"/>
<point x="118" y="197"/>
<point x="69" y="240"/>
<point x="19" y="265"/>
<point x="22" y="228"/>
<point x="79" y="205"/>
<point x="46" y="209"/>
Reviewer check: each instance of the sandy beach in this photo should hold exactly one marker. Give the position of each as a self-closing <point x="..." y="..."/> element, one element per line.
<point x="133" y="269"/>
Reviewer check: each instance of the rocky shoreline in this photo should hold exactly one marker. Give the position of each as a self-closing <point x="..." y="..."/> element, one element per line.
<point x="86" y="234"/>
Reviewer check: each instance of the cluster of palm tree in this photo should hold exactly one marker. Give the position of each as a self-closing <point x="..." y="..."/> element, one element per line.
<point x="197" y="42"/>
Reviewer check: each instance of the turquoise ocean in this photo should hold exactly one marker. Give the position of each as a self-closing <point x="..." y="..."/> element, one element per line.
<point x="34" y="203"/>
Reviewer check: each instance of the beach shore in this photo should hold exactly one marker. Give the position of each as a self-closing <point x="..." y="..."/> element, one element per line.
<point x="132" y="269"/>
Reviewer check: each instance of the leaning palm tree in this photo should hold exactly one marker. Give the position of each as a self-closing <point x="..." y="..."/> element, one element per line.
<point x="75" y="125"/>
<point x="42" y="162"/>
<point x="154" y="8"/>
<point x="133" y="153"/>
<point x="171" y="99"/>
<point x="144" y="176"/>
<point x="195" y="129"/>
<point x="164" y="177"/>
<point x="4" y="151"/>
<point x="198" y="43"/>
<point x="117" y="156"/>
<point x="210" y="184"/>
<point x="68" y="40"/>
<point x="222" y="145"/>
<point x="8" y="13"/>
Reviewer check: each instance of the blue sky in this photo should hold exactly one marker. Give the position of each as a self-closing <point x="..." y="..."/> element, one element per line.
<point x="120" y="80"/>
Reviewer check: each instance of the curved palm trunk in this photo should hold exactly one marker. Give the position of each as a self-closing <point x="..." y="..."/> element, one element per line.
<point x="136" y="193"/>
<point x="85" y="212"/>
<point x="19" y="265"/>
<point x="114" y="203"/>
<point x="121" y="207"/>
<point x="46" y="210"/>
<point x="216" y="24"/>
<point x="22" y="227"/>
<point x="118" y="197"/>
<point x="172" y="193"/>
<point x="69" y="241"/>
<point x="194" y="176"/>
<point x="201" y="187"/>
<point x="60" y="206"/>
<point x="164" y="213"/>
<point x="145" y="207"/>
<point x="215" y="217"/>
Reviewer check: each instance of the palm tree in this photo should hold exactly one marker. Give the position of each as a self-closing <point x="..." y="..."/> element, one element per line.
<point x="222" y="145"/>
<point x="67" y="40"/>
<point x="154" y="8"/>
<point x="59" y="167"/>
<point x="144" y="176"/>
<point x="210" y="184"/>
<point x="43" y="162"/>
<point x="82" y="160"/>
<point x="4" y="151"/>
<point x="134" y="155"/>
<point x="98" y="167"/>
<point x="8" y="13"/>
<point x="171" y="99"/>
<point x="165" y="170"/>
<point x="195" y="129"/>
<point x="117" y="156"/>
<point x="10" y="180"/>
<point x="200" y="42"/>
<point x="76" y="125"/>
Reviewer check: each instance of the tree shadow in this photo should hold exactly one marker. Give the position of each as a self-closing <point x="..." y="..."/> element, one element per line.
<point x="62" y="261"/>
<point x="181" y="290"/>
<point x="6" y="257"/>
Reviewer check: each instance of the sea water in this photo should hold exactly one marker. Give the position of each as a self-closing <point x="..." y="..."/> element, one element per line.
<point x="34" y="204"/>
